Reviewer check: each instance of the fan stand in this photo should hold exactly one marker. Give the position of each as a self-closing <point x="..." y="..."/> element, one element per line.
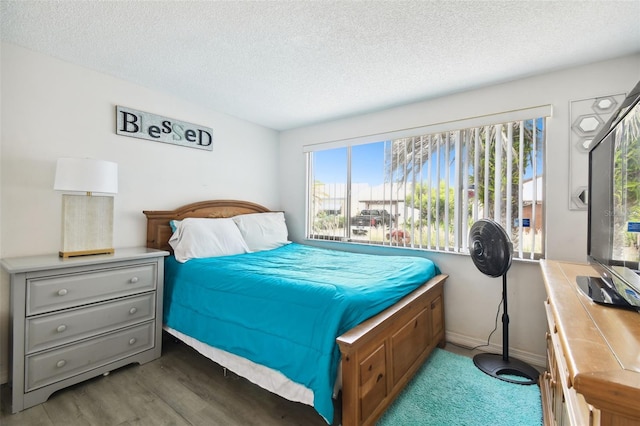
<point x="501" y="366"/>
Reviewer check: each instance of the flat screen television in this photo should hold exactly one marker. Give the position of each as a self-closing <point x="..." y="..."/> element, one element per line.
<point x="613" y="241"/>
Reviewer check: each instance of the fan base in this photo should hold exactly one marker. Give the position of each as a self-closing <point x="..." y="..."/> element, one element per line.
<point x="494" y="365"/>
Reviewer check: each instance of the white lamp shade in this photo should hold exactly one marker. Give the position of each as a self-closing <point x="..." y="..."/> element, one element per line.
<point x="86" y="175"/>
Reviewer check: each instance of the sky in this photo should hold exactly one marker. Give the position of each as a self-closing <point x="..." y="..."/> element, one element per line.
<point x="330" y="166"/>
<point x="368" y="167"/>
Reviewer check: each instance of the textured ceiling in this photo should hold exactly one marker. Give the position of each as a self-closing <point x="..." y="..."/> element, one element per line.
<point x="285" y="64"/>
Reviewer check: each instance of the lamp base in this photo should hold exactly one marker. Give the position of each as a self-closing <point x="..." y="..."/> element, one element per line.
<point x="87" y="225"/>
<point x="495" y="366"/>
<point x="66" y="254"/>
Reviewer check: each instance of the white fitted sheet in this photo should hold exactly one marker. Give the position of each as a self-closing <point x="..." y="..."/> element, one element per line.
<point x="265" y="377"/>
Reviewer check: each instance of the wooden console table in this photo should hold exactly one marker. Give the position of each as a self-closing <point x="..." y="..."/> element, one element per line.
<point x="593" y="364"/>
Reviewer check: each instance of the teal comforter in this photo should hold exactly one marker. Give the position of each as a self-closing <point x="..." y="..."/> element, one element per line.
<point x="284" y="308"/>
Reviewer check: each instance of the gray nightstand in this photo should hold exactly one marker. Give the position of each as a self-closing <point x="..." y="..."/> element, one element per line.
<point x="77" y="318"/>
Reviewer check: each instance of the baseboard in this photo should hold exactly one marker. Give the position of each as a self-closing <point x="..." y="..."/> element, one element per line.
<point x="538" y="361"/>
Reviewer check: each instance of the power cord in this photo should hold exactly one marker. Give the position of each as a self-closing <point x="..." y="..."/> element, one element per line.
<point x="495" y="327"/>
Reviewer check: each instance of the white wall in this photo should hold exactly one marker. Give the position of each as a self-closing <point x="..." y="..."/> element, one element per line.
<point x="471" y="298"/>
<point x="53" y="109"/>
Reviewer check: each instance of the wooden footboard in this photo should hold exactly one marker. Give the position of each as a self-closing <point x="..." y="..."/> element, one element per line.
<point x="382" y="354"/>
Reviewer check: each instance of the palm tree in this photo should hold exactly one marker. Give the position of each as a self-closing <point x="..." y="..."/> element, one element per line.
<point x="407" y="158"/>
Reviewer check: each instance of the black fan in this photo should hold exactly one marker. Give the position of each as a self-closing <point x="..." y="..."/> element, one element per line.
<point x="491" y="249"/>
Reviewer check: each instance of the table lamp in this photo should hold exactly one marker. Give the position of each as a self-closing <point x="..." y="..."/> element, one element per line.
<point x="87" y="219"/>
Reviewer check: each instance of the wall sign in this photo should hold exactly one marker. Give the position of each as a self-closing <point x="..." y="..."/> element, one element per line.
<point x="144" y="125"/>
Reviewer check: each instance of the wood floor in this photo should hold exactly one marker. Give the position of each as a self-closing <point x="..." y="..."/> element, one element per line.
<point x="180" y="388"/>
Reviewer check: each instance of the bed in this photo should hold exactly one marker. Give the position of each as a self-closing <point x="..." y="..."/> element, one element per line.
<point x="330" y="334"/>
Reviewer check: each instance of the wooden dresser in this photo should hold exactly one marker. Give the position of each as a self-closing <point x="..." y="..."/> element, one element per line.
<point x="77" y="318"/>
<point x="593" y="364"/>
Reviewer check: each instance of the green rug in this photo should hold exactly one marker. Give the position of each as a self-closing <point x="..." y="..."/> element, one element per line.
<point x="450" y="390"/>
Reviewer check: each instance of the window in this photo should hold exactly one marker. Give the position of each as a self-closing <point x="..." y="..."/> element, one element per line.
<point x="424" y="191"/>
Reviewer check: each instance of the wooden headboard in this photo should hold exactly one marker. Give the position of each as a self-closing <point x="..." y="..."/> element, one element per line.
<point x="159" y="230"/>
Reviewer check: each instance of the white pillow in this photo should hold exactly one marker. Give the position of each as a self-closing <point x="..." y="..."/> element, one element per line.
<point x="263" y="231"/>
<point x="197" y="238"/>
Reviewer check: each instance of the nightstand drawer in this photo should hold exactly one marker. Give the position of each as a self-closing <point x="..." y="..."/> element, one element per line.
<point x="46" y="331"/>
<point x="48" y="367"/>
<point x="51" y="293"/>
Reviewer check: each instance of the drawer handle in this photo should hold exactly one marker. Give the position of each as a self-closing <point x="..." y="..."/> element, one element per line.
<point x="61" y="363"/>
<point x="132" y="340"/>
<point x="133" y="311"/>
<point x="62" y="292"/>
<point x="134" y="280"/>
<point x="61" y="328"/>
<point x="380" y="376"/>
